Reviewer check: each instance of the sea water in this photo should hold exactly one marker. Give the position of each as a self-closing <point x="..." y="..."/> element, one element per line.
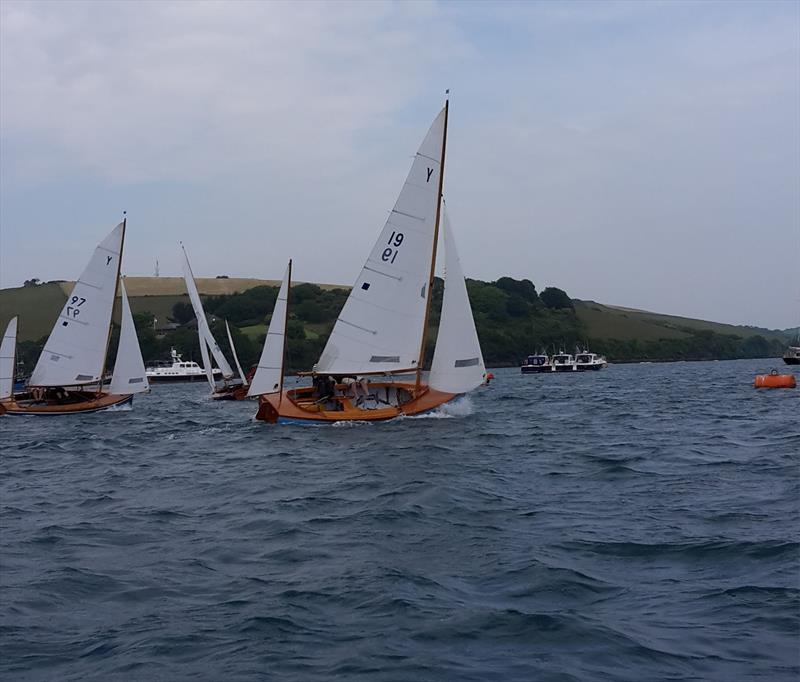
<point x="639" y="523"/>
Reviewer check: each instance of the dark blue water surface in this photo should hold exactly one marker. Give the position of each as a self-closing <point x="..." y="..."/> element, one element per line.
<point x="641" y="523"/>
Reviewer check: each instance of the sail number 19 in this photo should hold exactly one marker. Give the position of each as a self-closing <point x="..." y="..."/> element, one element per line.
<point x="390" y="252"/>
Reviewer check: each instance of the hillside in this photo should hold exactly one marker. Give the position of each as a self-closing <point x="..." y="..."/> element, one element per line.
<point x="615" y="322"/>
<point x="512" y="318"/>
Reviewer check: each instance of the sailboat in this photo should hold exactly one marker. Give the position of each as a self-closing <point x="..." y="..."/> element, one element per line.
<point x="231" y="388"/>
<point x="380" y="333"/>
<point x="68" y="378"/>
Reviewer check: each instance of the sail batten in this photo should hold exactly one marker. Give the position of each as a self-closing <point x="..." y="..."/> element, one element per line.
<point x="76" y="348"/>
<point x="384" y="313"/>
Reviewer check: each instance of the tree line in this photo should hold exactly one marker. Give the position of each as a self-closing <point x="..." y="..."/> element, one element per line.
<point x="511" y="317"/>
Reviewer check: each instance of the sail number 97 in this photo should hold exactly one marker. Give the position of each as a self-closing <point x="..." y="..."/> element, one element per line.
<point x="74" y="303"/>
<point x="391" y="251"/>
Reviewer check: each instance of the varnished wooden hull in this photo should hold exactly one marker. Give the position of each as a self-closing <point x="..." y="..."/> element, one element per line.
<point x="296" y="406"/>
<point x="91" y="403"/>
<point x="238" y="392"/>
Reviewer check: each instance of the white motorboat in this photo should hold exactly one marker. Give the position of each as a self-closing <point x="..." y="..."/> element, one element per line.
<point x="563" y="362"/>
<point x="177" y="370"/>
<point x="589" y="361"/>
<point x="537" y="364"/>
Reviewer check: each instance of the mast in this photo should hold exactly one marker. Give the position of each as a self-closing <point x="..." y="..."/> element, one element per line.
<point x="285" y="332"/>
<point x="433" y="254"/>
<point x="116" y="293"/>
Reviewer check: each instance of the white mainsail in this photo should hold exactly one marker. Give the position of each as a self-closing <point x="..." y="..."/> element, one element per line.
<point x="129" y="376"/>
<point x="457" y="361"/>
<point x="76" y="349"/>
<point x="380" y="327"/>
<point x="235" y="357"/>
<point x="269" y="375"/>
<point x="202" y="323"/>
<point x="8" y="354"/>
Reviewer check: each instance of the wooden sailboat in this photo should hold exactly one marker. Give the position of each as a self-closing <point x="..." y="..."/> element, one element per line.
<point x="69" y="373"/>
<point x="381" y="331"/>
<point x="232" y="388"/>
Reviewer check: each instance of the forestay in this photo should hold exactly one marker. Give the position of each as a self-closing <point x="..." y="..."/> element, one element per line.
<point x="380" y="327"/>
<point x="457" y="361"/>
<point x="8" y="352"/>
<point x="129" y="376"/>
<point x="269" y="374"/>
<point x="203" y="329"/>
<point x="75" y="351"/>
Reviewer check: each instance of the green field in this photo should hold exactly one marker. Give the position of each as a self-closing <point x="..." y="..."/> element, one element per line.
<point x="614" y="322"/>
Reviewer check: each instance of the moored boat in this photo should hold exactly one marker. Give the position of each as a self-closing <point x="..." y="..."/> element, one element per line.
<point x="537" y="364"/>
<point x="381" y="331"/>
<point x="792" y="355"/>
<point x="563" y="362"/>
<point x="177" y="369"/>
<point x="585" y="361"/>
<point x="68" y="377"/>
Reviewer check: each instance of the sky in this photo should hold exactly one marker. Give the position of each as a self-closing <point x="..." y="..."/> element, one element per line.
<point x="643" y="154"/>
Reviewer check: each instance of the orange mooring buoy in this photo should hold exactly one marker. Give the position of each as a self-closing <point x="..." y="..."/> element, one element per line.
<point x="775" y="380"/>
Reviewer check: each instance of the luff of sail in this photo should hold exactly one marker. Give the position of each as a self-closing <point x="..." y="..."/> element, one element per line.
<point x="76" y="348"/>
<point x="129" y="376"/>
<point x="380" y="327"/>
<point x="458" y="365"/>
<point x="269" y="374"/>
<point x="8" y="355"/>
<point x="235" y="357"/>
<point x="202" y="323"/>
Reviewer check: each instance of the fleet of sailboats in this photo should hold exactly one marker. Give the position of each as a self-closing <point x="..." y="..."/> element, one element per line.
<point x="370" y="369"/>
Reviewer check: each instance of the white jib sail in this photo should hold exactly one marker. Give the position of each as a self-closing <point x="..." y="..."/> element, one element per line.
<point x="380" y="327"/>
<point x="235" y="357"/>
<point x="457" y="361"/>
<point x="202" y="323"/>
<point x="129" y="376"/>
<point x="76" y="349"/>
<point x="269" y="374"/>
<point x="209" y="370"/>
<point x="8" y="353"/>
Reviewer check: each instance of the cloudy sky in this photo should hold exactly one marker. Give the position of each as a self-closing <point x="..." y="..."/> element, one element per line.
<point x="641" y="154"/>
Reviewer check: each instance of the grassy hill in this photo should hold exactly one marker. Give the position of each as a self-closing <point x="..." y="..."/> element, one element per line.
<point x="615" y="322"/>
<point x="512" y="320"/>
<point x="38" y="306"/>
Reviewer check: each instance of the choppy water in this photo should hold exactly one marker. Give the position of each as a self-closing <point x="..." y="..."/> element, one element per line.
<point x="640" y="523"/>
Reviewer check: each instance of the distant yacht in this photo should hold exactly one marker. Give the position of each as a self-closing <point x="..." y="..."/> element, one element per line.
<point x="564" y="362"/>
<point x="589" y="361"/>
<point x="537" y="364"/>
<point x="176" y="370"/>
<point x="792" y="355"/>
